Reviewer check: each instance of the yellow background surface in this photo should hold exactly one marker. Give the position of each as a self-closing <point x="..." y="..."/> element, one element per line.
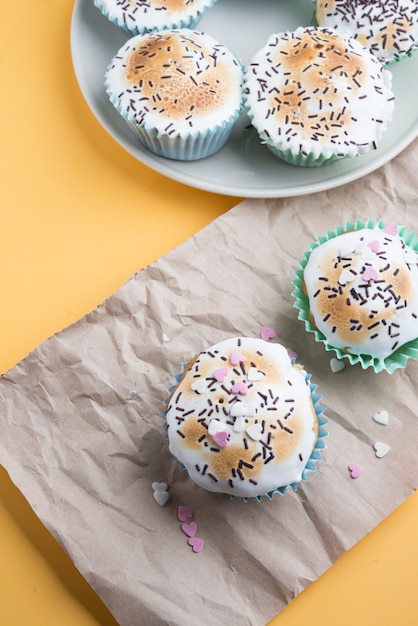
<point x="78" y="216"/>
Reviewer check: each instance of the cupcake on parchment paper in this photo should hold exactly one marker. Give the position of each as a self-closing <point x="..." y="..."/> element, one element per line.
<point x="137" y="17"/>
<point x="357" y="290"/>
<point x="244" y="419"/>
<point x="180" y="91"/>
<point x="315" y="96"/>
<point x="388" y="28"/>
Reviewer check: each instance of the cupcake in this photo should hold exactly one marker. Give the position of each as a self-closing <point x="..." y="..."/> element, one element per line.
<point x="389" y="29"/>
<point x="357" y="290"/>
<point x="315" y="96"/>
<point x="180" y="91"/>
<point x="137" y="17"/>
<point x="244" y="419"/>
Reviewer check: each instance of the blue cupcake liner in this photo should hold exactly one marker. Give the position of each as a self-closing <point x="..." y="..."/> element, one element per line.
<point x="133" y="28"/>
<point x="180" y="147"/>
<point x="316" y="454"/>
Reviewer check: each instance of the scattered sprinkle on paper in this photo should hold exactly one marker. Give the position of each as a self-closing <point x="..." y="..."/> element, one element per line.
<point x="160" y="493"/>
<point x="131" y="394"/>
<point x="196" y="544"/>
<point x="164" y="338"/>
<point x="184" y="513"/>
<point x="381" y="449"/>
<point x="159" y="486"/>
<point x="292" y="353"/>
<point x="381" y="417"/>
<point x="355" y="470"/>
<point x="189" y="528"/>
<point x="336" y="365"/>
<point x="267" y="333"/>
<point x="161" y="497"/>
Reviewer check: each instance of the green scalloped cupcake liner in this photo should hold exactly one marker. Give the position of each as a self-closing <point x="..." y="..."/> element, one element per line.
<point x="316" y="454"/>
<point x="394" y="361"/>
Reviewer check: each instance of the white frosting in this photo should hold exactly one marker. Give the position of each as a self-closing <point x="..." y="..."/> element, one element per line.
<point x="175" y="81"/>
<point x="241" y="419"/>
<point x="313" y="91"/>
<point x="363" y="291"/>
<point x="139" y="16"/>
<point x="389" y="28"/>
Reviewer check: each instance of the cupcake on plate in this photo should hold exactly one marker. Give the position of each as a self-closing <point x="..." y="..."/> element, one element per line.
<point x="315" y="96"/>
<point x="180" y="91"/>
<point x="142" y="16"/>
<point x="357" y="290"/>
<point x="244" y="419"/>
<point x="388" y="28"/>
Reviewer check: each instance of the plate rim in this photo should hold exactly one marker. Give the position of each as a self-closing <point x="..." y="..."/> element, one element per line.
<point x="162" y="165"/>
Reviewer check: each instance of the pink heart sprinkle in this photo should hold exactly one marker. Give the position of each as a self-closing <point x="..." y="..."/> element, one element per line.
<point x="189" y="529"/>
<point x="267" y="333"/>
<point x="370" y="274"/>
<point x="237" y="358"/>
<point x="220" y="374"/>
<point x="390" y="228"/>
<point x="374" y="245"/>
<point x="240" y="387"/>
<point x="221" y="438"/>
<point x="355" y="470"/>
<point x="183" y="513"/>
<point x="196" y="543"/>
<point x="292" y="354"/>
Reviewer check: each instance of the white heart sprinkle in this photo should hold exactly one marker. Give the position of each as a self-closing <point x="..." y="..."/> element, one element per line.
<point x="199" y="385"/>
<point x="254" y="431"/>
<point x="254" y="375"/>
<point x="245" y="409"/>
<point x="367" y="254"/>
<point x="239" y="424"/>
<point x="359" y="249"/>
<point x="409" y="255"/>
<point x="161" y="497"/>
<point x="381" y="418"/>
<point x="346" y="277"/>
<point x="215" y="426"/>
<point x="164" y="338"/>
<point x="336" y="365"/>
<point x="346" y="252"/>
<point x="381" y="449"/>
<point x="159" y="486"/>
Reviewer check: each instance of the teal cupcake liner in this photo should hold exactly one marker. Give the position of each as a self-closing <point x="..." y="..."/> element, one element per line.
<point x="305" y="160"/>
<point x="180" y="147"/>
<point x="397" y="57"/>
<point x="134" y="28"/>
<point x="299" y="159"/>
<point x="315" y="456"/>
<point x="394" y="361"/>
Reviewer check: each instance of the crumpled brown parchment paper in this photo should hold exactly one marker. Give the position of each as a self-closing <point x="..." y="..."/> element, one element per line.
<point x="82" y="436"/>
